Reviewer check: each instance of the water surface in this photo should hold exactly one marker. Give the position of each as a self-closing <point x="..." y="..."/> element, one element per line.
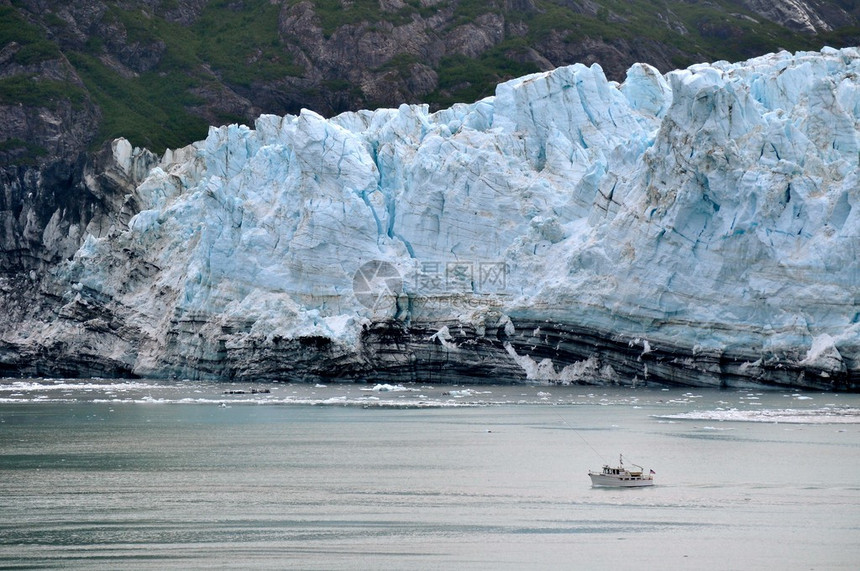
<point x="140" y="474"/>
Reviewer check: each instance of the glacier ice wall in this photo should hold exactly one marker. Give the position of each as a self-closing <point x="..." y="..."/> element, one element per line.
<point x="701" y="227"/>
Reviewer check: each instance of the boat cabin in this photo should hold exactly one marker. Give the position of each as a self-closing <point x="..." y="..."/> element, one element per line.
<point x="621" y="472"/>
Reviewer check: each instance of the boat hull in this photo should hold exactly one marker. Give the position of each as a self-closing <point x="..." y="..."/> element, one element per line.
<point x="612" y="482"/>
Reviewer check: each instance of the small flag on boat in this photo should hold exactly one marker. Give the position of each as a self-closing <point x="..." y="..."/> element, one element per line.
<point x="653" y="472"/>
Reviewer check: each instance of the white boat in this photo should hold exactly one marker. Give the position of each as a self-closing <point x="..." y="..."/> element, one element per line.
<point x="621" y="477"/>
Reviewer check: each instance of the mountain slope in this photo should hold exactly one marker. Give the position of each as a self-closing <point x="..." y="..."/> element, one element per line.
<point x="161" y="71"/>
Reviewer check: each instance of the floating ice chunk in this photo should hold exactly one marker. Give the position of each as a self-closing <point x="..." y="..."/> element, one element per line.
<point x="788" y="416"/>
<point x="464" y="393"/>
<point x="386" y="388"/>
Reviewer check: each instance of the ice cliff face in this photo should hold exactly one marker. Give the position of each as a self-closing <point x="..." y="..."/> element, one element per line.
<point x="701" y="227"/>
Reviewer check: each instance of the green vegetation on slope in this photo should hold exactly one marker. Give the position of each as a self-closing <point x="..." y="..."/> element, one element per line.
<point x="33" y="47"/>
<point x="152" y="108"/>
<point x="149" y="110"/>
<point x="463" y="79"/>
<point x="242" y="47"/>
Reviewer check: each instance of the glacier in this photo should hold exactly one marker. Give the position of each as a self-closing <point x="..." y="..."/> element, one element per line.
<point x="698" y="228"/>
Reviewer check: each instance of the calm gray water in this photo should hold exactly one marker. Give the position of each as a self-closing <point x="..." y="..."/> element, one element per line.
<point x="131" y="474"/>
